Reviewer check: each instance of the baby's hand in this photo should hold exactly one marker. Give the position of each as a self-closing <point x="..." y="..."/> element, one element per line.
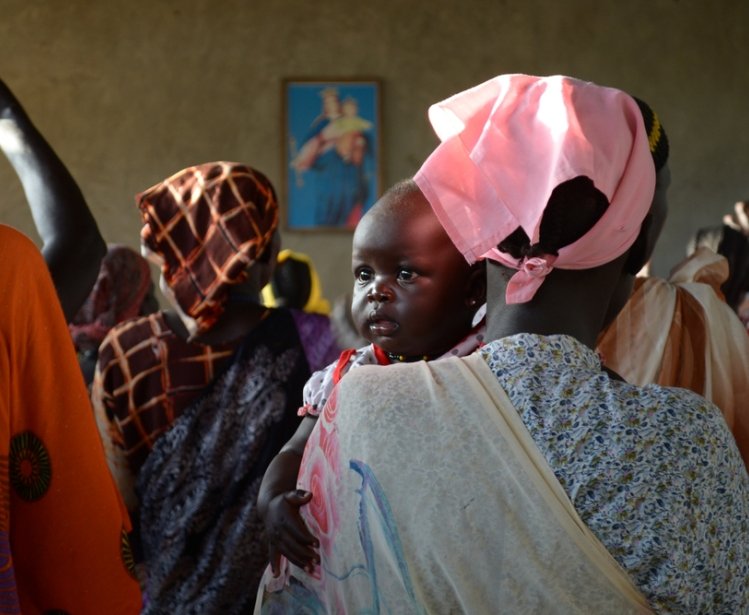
<point x="288" y="534"/>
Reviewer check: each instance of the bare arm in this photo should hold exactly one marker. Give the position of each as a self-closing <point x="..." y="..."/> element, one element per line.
<point x="279" y="502"/>
<point x="73" y="247"/>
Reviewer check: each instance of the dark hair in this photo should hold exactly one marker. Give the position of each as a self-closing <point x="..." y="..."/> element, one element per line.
<point x="657" y="139"/>
<point x="573" y="209"/>
<point x="292" y="283"/>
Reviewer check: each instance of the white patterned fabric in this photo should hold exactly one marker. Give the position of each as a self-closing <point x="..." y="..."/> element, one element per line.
<point x="652" y="471"/>
<point x="429" y="496"/>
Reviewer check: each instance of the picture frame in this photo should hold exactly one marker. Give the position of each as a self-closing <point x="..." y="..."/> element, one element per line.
<point x="331" y="152"/>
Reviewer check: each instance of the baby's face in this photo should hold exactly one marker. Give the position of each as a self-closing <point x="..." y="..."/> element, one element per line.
<point x="410" y="283"/>
<point x="331" y="105"/>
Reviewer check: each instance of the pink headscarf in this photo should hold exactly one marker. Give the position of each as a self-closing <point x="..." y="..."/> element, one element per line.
<point x="507" y="143"/>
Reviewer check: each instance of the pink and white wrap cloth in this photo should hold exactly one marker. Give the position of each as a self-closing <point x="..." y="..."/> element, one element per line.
<point x="507" y="143"/>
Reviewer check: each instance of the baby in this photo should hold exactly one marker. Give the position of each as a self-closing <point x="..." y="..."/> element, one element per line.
<point x="415" y="298"/>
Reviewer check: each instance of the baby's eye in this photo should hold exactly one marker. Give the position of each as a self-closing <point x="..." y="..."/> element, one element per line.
<point x="407" y="275"/>
<point x="363" y="275"/>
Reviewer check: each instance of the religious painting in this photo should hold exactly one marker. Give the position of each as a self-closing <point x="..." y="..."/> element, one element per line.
<point x="331" y="133"/>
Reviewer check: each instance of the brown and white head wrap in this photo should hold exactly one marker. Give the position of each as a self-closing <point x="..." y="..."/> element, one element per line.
<point x="206" y="225"/>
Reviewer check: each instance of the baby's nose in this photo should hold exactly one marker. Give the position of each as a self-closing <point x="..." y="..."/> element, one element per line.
<point x="380" y="293"/>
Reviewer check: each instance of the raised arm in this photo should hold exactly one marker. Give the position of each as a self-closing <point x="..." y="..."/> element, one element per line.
<point x="739" y="219"/>
<point x="73" y="247"/>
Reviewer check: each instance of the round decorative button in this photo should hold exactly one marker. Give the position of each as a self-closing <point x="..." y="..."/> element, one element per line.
<point x="30" y="466"/>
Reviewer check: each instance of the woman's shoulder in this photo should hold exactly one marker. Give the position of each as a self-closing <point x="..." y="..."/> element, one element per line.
<point x="664" y="397"/>
<point x="128" y="334"/>
<point x="18" y="253"/>
<point x="15" y="240"/>
<point x="676" y="420"/>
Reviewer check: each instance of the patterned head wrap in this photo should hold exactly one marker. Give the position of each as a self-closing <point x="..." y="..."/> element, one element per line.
<point x="316" y="303"/>
<point x="206" y="225"/>
<point x="509" y="142"/>
<point x="117" y="295"/>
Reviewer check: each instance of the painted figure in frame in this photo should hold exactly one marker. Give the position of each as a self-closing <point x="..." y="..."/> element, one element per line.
<point x="333" y="164"/>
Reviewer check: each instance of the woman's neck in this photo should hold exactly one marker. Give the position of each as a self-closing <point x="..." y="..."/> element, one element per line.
<point x="237" y="320"/>
<point x="503" y="321"/>
<point x="573" y="303"/>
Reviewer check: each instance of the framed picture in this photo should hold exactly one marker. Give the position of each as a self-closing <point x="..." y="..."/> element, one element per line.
<point x="331" y="149"/>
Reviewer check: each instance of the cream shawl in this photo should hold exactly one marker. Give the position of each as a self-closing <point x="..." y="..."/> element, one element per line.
<point x="430" y="496"/>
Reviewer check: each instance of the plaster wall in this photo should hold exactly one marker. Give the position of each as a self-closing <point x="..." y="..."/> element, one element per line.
<point x="129" y="92"/>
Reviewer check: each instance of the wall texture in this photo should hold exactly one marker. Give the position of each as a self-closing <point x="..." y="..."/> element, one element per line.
<point x="131" y="91"/>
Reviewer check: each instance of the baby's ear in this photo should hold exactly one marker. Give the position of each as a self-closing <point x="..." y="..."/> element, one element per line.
<point x="475" y="289"/>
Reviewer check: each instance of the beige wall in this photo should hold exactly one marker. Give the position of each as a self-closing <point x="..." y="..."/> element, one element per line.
<point x="131" y="91"/>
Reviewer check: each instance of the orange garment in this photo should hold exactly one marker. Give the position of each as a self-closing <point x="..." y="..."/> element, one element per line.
<point x="63" y="528"/>
<point x="680" y="332"/>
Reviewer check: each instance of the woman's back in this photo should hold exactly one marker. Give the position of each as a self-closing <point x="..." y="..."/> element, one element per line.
<point x="645" y="467"/>
<point x="200" y="533"/>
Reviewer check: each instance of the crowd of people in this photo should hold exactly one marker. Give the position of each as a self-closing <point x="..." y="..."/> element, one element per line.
<point x="554" y="433"/>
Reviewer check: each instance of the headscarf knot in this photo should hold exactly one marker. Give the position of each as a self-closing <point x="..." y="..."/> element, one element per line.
<point x="538" y="266"/>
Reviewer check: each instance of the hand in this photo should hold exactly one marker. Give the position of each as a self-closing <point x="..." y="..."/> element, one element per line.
<point x="12" y="134"/>
<point x="9" y="105"/>
<point x="739" y="220"/>
<point x="288" y="534"/>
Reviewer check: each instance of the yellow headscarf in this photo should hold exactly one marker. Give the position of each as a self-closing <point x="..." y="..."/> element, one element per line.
<point x="316" y="303"/>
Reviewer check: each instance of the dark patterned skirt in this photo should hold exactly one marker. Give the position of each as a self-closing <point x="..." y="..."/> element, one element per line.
<point x="201" y="538"/>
